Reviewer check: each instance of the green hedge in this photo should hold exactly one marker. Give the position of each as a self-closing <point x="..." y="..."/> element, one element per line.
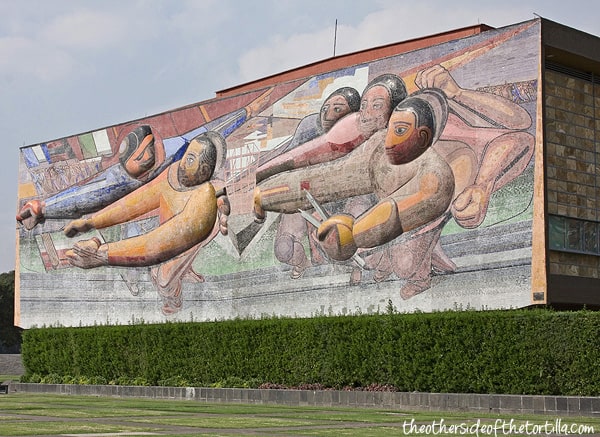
<point x="514" y="352"/>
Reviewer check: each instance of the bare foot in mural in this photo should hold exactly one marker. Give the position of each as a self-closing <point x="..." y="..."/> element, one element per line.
<point x="381" y="275"/>
<point x="224" y="208"/>
<point x="298" y="270"/>
<point x="440" y="262"/>
<point x="192" y="276"/>
<point x="356" y="276"/>
<point x="171" y="305"/>
<point x="412" y="288"/>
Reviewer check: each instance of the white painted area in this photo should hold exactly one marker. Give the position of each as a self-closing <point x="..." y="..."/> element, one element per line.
<point x="102" y="142"/>
<point x="39" y="153"/>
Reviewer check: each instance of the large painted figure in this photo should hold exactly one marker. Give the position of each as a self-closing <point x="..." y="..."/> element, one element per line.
<point x="412" y="182"/>
<point x="378" y="97"/>
<point x="187" y="205"/>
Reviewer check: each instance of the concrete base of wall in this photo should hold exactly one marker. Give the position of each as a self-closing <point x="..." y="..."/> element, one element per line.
<point x="11" y="364"/>
<point x="482" y="403"/>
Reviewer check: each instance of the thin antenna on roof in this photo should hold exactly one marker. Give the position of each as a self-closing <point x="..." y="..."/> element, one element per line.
<point x="334" y="37"/>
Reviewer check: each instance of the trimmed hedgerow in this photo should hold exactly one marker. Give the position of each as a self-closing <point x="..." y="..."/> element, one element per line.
<point x="513" y="352"/>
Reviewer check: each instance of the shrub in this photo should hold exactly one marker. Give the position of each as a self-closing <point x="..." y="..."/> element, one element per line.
<point x="513" y="352"/>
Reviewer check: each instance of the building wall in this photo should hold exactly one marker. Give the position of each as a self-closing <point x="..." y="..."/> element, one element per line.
<point x="573" y="167"/>
<point x="450" y="228"/>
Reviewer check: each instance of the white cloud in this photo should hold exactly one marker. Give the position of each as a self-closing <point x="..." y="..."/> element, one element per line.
<point x="198" y="17"/>
<point x="25" y="58"/>
<point x="281" y="54"/>
<point x="88" y="30"/>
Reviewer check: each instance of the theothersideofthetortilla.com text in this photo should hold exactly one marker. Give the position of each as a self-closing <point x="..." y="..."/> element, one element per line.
<point x="498" y="427"/>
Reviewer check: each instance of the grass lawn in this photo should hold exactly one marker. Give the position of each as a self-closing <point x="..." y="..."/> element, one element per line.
<point x="26" y="414"/>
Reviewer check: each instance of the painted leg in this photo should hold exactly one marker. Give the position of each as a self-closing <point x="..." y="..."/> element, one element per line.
<point x="288" y="245"/>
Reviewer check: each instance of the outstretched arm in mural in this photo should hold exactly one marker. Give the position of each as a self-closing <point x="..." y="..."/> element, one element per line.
<point x="130" y="207"/>
<point x="187" y="228"/>
<point x="425" y="189"/>
<point x="344" y="137"/>
<point x="329" y="181"/>
<point x="187" y="208"/>
<point x="502" y="149"/>
<point x="497" y="110"/>
<point x="141" y="158"/>
<point x="341" y="102"/>
<point x="380" y="96"/>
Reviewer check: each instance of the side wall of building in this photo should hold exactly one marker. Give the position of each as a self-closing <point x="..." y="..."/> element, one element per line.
<point x="573" y="157"/>
<point x="426" y="207"/>
<point x="572" y="129"/>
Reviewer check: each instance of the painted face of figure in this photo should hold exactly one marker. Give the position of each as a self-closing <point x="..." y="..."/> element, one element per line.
<point x="405" y="141"/>
<point x="143" y="157"/>
<point x="192" y="169"/>
<point x="375" y="109"/>
<point x="332" y="110"/>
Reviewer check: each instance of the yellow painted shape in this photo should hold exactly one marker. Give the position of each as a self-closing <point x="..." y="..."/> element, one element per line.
<point x="27" y="190"/>
<point x="204" y="113"/>
<point x="376" y="217"/>
<point x="275" y="190"/>
<point x="539" y="280"/>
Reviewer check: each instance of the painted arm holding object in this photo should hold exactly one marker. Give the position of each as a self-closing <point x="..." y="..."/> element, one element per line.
<point x="172" y="237"/>
<point x="425" y="193"/>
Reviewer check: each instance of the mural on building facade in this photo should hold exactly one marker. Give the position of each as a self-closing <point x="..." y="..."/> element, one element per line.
<point x="353" y="175"/>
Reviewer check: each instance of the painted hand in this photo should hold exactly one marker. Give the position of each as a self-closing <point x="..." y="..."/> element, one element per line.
<point x="77" y="226"/>
<point x="470" y="207"/>
<point x="259" y="213"/>
<point x="335" y="236"/>
<point x="224" y="209"/>
<point x="31" y="214"/>
<point x="438" y="77"/>
<point x="88" y="254"/>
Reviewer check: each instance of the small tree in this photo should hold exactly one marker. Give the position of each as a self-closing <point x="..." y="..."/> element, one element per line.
<point x="10" y="335"/>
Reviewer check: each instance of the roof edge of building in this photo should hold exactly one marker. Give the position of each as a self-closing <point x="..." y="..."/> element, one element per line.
<point x="366" y="55"/>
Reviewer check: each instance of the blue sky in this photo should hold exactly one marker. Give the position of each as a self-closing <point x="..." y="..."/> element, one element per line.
<point x="72" y="66"/>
